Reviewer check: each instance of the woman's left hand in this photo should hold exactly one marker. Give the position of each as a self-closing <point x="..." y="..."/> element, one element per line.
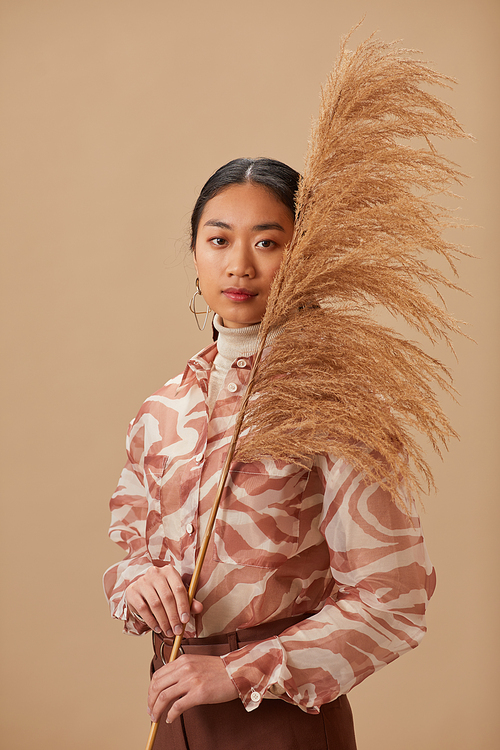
<point x="189" y="681"/>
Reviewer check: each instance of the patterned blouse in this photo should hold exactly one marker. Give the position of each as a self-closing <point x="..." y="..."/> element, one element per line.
<point x="287" y="541"/>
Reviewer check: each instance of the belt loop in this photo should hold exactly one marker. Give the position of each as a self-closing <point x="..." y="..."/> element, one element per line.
<point x="232" y="640"/>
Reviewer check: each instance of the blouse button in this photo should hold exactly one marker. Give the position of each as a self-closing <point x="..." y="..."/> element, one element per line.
<point x="241" y="363"/>
<point x="255" y="696"/>
<point x="190" y="528"/>
<point x="232" y="387"/>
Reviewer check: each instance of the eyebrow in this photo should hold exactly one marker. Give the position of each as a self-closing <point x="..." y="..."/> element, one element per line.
<point x="256" y="228"/>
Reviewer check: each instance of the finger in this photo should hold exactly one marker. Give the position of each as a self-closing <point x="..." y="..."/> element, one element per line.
<point x="179" y="706"/>
<point x="162" y="605"/>
<point x="174" y="700"/>
<point x="141" y="611"/>
<point x="172" y="681"/>
<point x="135" y="615"/>
<point x="163" y="690"/>
<point x="196" y="607"/>
<point x="174" y="596"/>
<point x="159" y="597"/>
<point x="166" y="699"/>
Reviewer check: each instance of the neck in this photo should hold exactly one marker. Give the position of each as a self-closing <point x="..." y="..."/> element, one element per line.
<point x="234" y="342"/>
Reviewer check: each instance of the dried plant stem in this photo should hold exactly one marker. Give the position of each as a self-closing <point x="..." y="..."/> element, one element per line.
<point x="213" y="514"/>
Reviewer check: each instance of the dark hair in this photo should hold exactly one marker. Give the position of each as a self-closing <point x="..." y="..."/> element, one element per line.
<point x="280" y="179"/>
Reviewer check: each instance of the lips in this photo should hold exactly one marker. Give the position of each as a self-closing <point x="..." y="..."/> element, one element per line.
<point x="238" y="295"/>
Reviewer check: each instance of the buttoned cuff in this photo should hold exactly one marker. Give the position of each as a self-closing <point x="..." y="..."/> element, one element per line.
<point x="254" y="669"/>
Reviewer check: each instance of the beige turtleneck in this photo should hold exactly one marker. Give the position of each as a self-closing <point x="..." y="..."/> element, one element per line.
<point x="231" y="344"/>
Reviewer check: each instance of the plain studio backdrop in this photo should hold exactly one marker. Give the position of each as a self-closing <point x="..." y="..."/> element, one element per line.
<point x="114" y="113"/>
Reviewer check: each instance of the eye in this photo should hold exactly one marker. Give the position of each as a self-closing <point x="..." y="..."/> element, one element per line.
<point x="218" y="241"/>
<point x="266" y="244"/>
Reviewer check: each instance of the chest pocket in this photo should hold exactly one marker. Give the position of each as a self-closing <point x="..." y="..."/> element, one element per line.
<point x="258" y="519"/>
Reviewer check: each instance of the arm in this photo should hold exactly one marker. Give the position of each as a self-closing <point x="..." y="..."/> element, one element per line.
<point x="129" y="508"/>
<point x="145" y="593"/>
<point x="379" y="561"/>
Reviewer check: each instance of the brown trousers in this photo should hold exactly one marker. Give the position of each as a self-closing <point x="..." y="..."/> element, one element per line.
<point x="275" y="724"/>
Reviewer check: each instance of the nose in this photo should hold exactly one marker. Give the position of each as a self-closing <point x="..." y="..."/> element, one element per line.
<point x="240" y="260"/>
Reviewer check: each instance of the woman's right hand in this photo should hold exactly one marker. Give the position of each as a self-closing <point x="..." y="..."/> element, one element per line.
<point x="159" y="599"/>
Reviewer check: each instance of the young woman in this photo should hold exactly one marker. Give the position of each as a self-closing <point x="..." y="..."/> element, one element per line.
<point x="313" y="580"/>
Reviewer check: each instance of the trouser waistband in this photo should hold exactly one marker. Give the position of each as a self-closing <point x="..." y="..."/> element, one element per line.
<point x="223" y="643"/>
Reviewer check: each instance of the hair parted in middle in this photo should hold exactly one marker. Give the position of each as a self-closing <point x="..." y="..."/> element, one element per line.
<point x="281" y="180"/>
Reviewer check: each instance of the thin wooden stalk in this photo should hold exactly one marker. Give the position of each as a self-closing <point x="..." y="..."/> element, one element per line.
<point x="213" y="513"/>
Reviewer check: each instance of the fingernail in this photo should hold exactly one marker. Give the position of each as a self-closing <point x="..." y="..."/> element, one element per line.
<point x="167" y="720"/>
<point x="184" y="617"/>
<point x="178" y="630"/>
<point x="157" y="629"/>
<point x="170" y="633"/>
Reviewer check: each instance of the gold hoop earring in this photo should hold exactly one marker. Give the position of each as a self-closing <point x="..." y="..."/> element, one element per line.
<point x="197" y="313"/>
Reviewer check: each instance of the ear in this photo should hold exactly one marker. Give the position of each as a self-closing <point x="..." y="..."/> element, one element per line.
<point x="195" y="263"/>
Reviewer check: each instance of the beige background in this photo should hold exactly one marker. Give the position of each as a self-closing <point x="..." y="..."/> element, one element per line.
<point x="114" y="112"/>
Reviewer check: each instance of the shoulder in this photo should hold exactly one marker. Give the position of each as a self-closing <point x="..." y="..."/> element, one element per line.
<point x="176" y="389"/>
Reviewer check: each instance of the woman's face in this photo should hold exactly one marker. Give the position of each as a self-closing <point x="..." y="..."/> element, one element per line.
<point x="241" y="236"/>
